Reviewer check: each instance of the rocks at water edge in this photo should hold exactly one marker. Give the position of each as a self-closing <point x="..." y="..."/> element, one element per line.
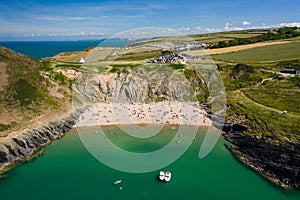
<point x="23" y="145"/>
<point x="278" y="161"/>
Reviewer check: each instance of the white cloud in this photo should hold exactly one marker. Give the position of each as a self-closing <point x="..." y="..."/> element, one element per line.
<point x="49" y="18"/>
<point x="92" y="33"/>
<point x="230" y="27"/>
<point x="65" y="34"/>
<point x="80" y="18"/>
<point x="227" y="26"/>
<point x="184" y="29"/>
<point x="105" y="17"/>
<point x="290" y="24"/>
<point x="245" y="23"/>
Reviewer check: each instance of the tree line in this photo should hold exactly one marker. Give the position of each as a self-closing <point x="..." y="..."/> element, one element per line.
<point x="281" y="33"/>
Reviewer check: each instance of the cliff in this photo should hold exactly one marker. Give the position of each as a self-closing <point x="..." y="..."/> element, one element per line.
<point x="278" y="161"/>
<point x="23" y="145"/>
<point x="141" y="85"/>
<point x="29" y="90"/>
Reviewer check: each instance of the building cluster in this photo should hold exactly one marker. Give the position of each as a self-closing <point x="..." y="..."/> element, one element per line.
<point x="182" y="47"/>
<point x="188" y="46"/>
<point x="169" y="59"/>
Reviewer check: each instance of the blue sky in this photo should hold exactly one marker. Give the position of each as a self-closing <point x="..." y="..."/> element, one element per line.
<point x="71" y="19"/>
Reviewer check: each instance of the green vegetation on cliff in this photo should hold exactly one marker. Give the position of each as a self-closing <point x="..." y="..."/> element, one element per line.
<point x="27" y="90"/>
<point x="256" y="97"/>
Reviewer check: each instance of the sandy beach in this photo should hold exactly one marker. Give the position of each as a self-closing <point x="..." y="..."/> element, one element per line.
<point x="176" y="113"/>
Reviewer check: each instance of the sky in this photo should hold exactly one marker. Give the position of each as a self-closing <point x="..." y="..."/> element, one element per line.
<point x="91" y="19"/>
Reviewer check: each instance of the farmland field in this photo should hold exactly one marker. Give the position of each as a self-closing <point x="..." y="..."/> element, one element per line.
<point x="279" y="52"/>
<point x="241" y="35"/>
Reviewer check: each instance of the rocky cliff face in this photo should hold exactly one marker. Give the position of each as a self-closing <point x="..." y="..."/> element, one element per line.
<point x="18" y="147"/>
<point x="136" y="86"/>
<point x="277" y="160"/>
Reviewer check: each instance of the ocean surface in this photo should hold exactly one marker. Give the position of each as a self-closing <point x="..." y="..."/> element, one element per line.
<point x="42" y="49"/>
<point x="66" y="170"/>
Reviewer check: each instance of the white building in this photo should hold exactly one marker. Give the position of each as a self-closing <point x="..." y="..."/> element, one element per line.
<point x="82" y="61"/>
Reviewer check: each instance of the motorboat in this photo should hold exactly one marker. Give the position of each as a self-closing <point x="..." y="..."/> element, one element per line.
<point x="117" y="182"/>
<point x="168" y="176"/>
<point x="161" y="175"/>
<point x="164" y="176"/>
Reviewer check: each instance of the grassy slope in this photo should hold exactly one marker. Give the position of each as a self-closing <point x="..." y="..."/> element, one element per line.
<point x="262" y="120"/>
<point x="280" y="94"/>
<point x="27" y="94"/>
<point x="257" y="104"/>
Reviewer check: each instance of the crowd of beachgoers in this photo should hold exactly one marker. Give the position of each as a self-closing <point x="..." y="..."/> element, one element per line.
<point x="177" y="113"/>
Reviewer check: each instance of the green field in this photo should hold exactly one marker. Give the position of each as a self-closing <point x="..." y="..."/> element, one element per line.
<point x="241" y="35"/>
<point x="294" y="39"/>
<point x="289" y="51"/>
<point x="141" y="55"/>
<point x="279" y="94"/>
<point x="261" y="121"/>
<point x="218" y="37"/>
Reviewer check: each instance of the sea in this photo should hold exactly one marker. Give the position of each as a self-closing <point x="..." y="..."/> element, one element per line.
<point x="43" y="49"/>
<point x="65" y="169"/>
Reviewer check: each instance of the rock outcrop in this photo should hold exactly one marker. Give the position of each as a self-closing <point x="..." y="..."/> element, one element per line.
<point x="137" y="86"/>
<point x="23" y="145"/>
<point x="278" y="161"/>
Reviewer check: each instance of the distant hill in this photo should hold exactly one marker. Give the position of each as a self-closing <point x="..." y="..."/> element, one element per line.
<point x="28" y="89"/>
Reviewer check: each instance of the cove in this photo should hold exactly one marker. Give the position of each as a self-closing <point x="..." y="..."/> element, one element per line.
<point x="66" y="170"/>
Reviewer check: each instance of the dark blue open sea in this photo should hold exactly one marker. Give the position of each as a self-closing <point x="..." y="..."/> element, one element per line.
<point x="42" y="49"/>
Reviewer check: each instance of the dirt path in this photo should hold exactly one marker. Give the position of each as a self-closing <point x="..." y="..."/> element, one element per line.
<point x="266" y="107"/>
<point x="258" y="104"/>
<point x="232" y="49"/>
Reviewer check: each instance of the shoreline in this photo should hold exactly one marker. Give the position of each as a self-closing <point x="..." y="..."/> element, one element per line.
<point x="167" y="113"/>
<point x="260" y="171"/>
<point x="145" y="124"/>
<point x="14" y="149"/>
<point x="265" y="162"/>
<point x="24" y="146"/>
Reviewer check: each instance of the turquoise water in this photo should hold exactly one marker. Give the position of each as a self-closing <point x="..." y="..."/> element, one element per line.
<point x="42" y="49"/>
<point x="67" y="171"/>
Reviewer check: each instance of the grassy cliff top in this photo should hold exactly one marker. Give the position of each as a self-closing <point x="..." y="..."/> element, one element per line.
<point x="27" y="91"/>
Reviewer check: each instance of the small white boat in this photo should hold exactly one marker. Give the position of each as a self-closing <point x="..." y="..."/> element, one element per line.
<point x="168" y="176"/>
<point x="161" y="175"/>
<point x="117" y="182"/>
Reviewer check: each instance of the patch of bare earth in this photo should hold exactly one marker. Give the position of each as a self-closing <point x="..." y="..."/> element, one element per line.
<point x="71" y="56"/>
<point x="10" y="116"/>
<point x="3" y="76"/>
<point x="69" y="73"/>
